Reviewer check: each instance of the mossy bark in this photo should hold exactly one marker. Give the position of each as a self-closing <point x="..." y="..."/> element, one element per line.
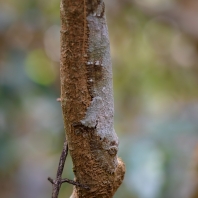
<point x="87" y="98"/>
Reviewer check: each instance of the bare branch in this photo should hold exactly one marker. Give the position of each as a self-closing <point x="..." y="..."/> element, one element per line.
<point x="56" y="184"/>
<point x="50" y="180"/>
<point x="74" y="183"/>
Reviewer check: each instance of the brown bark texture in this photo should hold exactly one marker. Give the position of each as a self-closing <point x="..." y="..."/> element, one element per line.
<point x="87" y="99"/>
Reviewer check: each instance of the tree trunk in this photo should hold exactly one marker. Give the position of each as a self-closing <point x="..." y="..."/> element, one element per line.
<point x="87" y="98"/>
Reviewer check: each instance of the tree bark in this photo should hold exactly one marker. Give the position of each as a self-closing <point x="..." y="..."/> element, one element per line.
<point x="87" y="98"/>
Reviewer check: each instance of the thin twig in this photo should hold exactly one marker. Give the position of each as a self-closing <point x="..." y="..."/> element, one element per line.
<point x="51" y="180"/>
<point x="62" y="159"/>
<point x="74" y="183"/>
<point x="56" y="184"/>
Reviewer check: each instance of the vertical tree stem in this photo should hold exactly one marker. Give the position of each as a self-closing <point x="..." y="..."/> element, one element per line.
<point x="87" y="98"/>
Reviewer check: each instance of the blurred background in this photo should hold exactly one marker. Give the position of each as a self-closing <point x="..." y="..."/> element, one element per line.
<point x="154" y="47"/>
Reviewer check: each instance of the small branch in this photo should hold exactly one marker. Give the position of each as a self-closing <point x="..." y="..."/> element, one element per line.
<point x="74" y="183"/>
<point x="56" y="184"/>
<point x="62" y="159"/>
<point x="50" y="180"/>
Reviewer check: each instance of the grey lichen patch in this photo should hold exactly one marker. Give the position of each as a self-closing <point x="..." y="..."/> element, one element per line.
<point x="107" y="162"/>
<point x="92" y="114"/>
<point x="104" y="152"/>
<point x="99" y="115"/>
<point x="101" y="108"/>
<point x="98" y="34"/>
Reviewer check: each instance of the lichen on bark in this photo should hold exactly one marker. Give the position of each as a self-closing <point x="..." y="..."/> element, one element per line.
<point x="87" y="98"/>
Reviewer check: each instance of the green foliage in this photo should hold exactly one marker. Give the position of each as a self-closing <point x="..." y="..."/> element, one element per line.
<point x="39" y="68"/>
